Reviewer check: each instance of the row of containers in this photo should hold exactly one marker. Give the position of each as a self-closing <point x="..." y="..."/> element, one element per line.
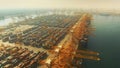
<point x="18" y="57"/>
<point x="48" y="31"/>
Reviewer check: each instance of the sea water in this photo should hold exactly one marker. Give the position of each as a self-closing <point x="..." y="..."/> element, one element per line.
<point x="106" y="41"/>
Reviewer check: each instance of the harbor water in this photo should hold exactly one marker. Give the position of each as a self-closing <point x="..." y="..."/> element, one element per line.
<point x="106" y="41"/>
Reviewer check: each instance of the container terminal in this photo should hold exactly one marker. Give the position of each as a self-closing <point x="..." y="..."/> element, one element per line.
<point x="48" y="41"/>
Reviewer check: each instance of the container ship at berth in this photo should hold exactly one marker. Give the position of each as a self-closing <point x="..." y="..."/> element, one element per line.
<point x="54" y="40"/>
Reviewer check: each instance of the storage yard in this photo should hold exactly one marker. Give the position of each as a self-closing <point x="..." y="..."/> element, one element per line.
<point x="50" y="41"/>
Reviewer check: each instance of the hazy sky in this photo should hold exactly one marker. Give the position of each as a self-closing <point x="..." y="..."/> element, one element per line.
<point x="13" y="4"/>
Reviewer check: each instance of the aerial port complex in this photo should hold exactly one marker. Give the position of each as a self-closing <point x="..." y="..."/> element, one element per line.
<point x="52" y="40"/>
